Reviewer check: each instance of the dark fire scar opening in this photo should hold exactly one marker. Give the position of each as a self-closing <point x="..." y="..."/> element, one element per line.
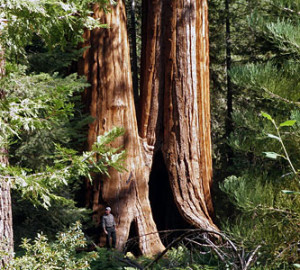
<point x="165" y="213"/>
<point x="132" y="244"/>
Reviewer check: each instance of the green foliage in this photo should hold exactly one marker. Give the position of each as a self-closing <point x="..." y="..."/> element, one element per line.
<point x="108" y="260"/>
<point x="267" y="203"/>
<point x="40" y="60"/>
<point x="57" y="23"/>
<point x="39" y="136"/>
<point x="218" y="77"/>
<point x="271" y="80"/>
<point x="264" y="195"/>
<point x="285" y="154"/>
<point x="184" y="258"/>
<point x="181" y="258"/>
<point x="250" y="195"/>
<point x="267" y="217"/>
<point x="36" y="102"/>
<point x="260" y="204"/>
<point x="30" y="219"/>
<point x="61" y="254"/>
<point x="39" y="186"/>
<point x="285" y="35"/>
<point x="34" y="115"/>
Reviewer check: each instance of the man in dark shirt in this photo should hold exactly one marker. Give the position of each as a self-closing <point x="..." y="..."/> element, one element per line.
<point x="109" y="227"/>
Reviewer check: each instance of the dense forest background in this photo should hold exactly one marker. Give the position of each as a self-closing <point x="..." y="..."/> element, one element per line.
<point x="255" y="99"/>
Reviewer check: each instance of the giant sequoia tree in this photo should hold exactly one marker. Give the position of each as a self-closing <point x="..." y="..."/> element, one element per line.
<point x="174" y="113"/>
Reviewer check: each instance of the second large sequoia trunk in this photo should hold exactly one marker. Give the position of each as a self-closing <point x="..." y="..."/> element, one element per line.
<point x="187" y="145"/>
<point x="174" y="113"/>
<point x="175" y="102"/>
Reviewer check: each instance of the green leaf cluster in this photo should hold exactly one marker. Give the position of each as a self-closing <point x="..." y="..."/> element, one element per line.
<point x="266" y="217"/>
<point x="39" y="186"/>
<point x="56" y="23"/>
<point x="60" y="254"/>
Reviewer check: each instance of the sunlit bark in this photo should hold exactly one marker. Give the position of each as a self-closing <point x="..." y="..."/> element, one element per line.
<point x="174" y="113"/>
<point x="175" y="87"/>
<point x="112" y="104"/>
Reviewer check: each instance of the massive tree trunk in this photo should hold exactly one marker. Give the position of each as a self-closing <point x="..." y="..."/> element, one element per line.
<point x="187" y="144"/>
<point x="112" y="104"/>
<point x="6" y="230"/>
<point x="175" y="88"/>
<point x="174" y="113"/>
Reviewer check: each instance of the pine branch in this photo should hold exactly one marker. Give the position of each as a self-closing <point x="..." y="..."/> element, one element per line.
<point x="40" y="186"/>
<point x="289" y="10"/>
<point x="273" y="95"/>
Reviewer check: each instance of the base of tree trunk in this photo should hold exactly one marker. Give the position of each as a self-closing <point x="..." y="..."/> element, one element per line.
<point x="174" y="115"/>
<point x="6" y="230"/>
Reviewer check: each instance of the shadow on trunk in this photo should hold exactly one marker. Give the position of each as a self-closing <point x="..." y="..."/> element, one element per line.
<point x="164" y="209"/>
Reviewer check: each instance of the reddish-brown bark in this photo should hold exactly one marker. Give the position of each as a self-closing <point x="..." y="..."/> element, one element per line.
<point x="174" y="113"/>
<point x="175" y="86"/>
<point x="112" y="104"/>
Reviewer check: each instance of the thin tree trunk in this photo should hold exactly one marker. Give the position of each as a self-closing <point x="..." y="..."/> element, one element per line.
<point x="229" y="125"/>
<point x="6" y="229"/>
<point x="229" y="93"/>
<point x="175" y="85"/>
<point x="112" y="104"/>
<point x="134" y="52"/>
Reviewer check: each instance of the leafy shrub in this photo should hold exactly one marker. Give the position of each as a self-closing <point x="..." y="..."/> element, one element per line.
<point x="265" y="216"/>
<point x="62" y="254"/>
<point x="108" y="260"/>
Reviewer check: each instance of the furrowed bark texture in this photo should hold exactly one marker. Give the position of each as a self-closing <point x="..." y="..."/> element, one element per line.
<point x="174" y="113"/>
<point x="6" y="229"/>
<point x="107" y="66"/>
<point x="175" y="88"/>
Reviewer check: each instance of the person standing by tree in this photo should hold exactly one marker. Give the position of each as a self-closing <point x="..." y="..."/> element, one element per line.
<point x="109" y="227"/>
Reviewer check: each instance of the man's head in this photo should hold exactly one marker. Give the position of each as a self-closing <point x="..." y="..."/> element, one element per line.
<point x="107" y="210"/>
